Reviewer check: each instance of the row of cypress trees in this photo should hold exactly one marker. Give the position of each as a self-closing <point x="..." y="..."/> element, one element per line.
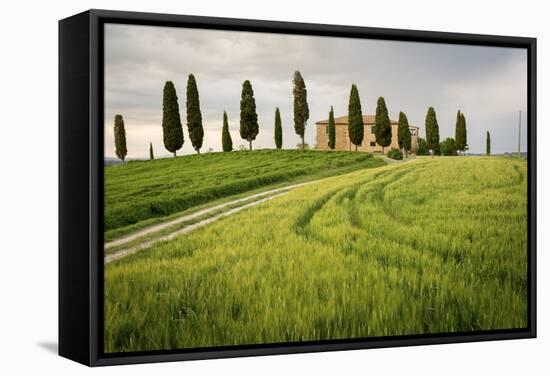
<point x="227" y="142"/>
<point x="382" y="127"/>
<point x="460" y="142"/>
<point x="249" y="129"/>
<point x="172" y="129"/>
<point x="449" y="146"/>
<point x="173" y="132"/>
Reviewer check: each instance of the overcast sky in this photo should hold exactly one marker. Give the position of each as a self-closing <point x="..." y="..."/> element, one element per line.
<point x="488" y="84"/>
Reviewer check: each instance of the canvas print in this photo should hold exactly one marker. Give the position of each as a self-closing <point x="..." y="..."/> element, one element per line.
<point x="265" y="188"/>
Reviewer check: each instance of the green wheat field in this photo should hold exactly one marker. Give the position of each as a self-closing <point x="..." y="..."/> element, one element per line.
<point x="138" y="192"/>
<point x="433" y="245"/>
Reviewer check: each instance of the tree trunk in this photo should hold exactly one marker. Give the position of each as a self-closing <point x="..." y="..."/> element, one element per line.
<point x="303" y="143"/>
<point x="382" y="150"/>
<point x="355" y="147"/>
<point x="198" y="151"/>
<point x="174" y="154"/>
<point x="249" y="144"/>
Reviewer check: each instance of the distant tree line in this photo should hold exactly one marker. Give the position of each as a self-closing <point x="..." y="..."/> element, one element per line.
<point x="173" y="137"/>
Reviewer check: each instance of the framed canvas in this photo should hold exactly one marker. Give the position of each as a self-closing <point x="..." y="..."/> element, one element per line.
<point x="233" y="187"/>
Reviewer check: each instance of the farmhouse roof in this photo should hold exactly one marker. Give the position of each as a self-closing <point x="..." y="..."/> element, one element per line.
<point x="367" y="119"/>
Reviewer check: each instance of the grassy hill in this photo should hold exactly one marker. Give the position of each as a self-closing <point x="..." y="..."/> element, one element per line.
<point x="430" y="246"/>
<point x="142" y="190"/>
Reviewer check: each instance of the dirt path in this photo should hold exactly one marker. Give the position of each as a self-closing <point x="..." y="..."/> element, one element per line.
<point x="128" y="251"/>
<point x="199" y="213"/>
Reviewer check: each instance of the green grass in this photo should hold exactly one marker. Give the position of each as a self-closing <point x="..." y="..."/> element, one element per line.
<point x="431" y="246"/>
<point x="141" y="193"/>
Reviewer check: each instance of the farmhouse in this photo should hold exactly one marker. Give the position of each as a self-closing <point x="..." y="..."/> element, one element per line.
<point x="369" y="140"/>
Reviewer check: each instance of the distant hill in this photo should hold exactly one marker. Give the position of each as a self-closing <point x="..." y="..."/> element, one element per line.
<point x="522" y="154"/>
<point x="109" y="161"/>
<point x="505" y="154"/>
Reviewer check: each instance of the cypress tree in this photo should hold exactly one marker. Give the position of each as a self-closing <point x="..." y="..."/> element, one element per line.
<point x="432" y="131"/>
<point x="464" y="134"/>
<point x="171" y="123"/>
<point x="151" y="155"/>
<point x="301" y="108"/>
<point x="249" y="118"/>
<point x="488" y="144"/>
<point x="278" y="130"/>
<point x="227" y="143"/>
<point x="404" y="133"/>
<point x="460" y="132"/>
<point x="120" y="138"/>
<point x="331" y="129"/>
<point x="194" y="116"/>
<point x="382" y="124"/>
<point x="356" y="127"/>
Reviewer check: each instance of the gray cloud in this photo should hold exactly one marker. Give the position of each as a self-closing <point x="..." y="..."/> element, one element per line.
<point x="488" y="84"/>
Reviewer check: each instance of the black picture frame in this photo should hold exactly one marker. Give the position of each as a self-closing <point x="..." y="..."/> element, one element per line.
<point x="81" y="182"/>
